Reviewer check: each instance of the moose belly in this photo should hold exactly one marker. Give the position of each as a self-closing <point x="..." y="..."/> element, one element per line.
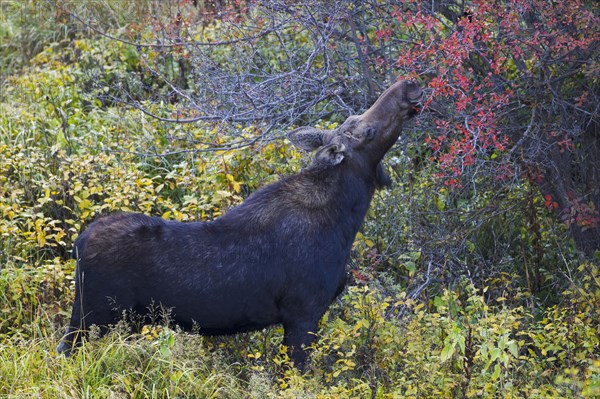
<point x="213" y="306"/>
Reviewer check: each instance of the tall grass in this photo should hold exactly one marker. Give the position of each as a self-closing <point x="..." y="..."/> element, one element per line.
<point x="115" y="366"/>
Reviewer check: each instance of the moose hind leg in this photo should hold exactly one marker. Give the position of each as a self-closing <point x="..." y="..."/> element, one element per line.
<point x="71" y="340"/>
<point x="75" y="330"/>
<point x="78" y="327"/>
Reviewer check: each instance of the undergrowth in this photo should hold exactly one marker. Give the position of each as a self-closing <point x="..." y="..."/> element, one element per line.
<point x="459" y="346"/>
<point x="66" y="159"/>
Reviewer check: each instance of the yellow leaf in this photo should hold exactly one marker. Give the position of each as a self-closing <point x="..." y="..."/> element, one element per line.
<point x="85" y="204"/>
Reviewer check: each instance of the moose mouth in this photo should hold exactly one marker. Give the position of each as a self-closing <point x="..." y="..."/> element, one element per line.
<point x="414" y="111"/>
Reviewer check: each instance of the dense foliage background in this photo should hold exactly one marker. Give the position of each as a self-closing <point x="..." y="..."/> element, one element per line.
<point x="475" y="275"/>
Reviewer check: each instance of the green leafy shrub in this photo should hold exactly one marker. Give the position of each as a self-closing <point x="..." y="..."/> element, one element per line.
<point x="461" y="347"/>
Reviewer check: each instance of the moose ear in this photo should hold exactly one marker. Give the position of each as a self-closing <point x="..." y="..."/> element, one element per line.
<point x="307" y="138"/>
<point x="331" y="154"/>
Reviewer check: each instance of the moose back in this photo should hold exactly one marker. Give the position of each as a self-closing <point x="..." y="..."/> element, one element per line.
<point x="279" y="257"/>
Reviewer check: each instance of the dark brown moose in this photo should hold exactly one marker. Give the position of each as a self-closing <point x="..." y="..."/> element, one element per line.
<point x="279" y="257"/>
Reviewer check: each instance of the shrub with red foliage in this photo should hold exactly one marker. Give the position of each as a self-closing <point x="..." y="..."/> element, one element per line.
<point x="514" y="90"/>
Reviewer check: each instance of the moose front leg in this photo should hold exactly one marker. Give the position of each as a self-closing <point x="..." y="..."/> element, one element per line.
<point x="298" y="337"/>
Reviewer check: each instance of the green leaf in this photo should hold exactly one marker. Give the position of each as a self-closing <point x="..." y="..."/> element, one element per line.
<point x="165" y="351"/>
<point x="411" y="267"/>
<point x="171" y="340"/>
<point x="496" y="373"/>
<point x="513" y="348"/>
<point x="447" y="352"/>
<point x="495" y="354"/>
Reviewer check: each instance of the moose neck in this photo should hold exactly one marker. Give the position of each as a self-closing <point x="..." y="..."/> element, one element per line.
<point x="348" y="195"/>
<point x="387" y="115"/>
<point x="336" y="199"/>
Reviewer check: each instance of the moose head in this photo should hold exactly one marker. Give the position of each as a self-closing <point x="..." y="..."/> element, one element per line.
<point x="364" y="139"/>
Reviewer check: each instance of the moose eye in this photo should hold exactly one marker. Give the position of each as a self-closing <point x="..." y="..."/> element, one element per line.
<point x="370" y="133"/>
